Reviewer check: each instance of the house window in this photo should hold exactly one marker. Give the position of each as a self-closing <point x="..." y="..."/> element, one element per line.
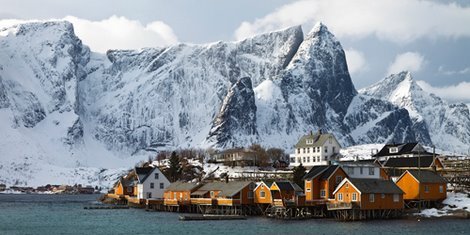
<point x="396" y="197"/>
<point x="303" y="158"/>
<point x="162" y="185"/>
<point x="350" y="170"/>
<point x="393" y="150"/>
<point x="303" y="150"/>
<point x="426" y="188"/>
<point x="309" y="141"/>
<point x="149" y="195"/>
<point x="314" y="159"/>
<point x="308" y="159"/>
<point x="441" y="189"/>
<point x="347" y="185"/>
<point x="250" y="194"/>
<point x="354" y="197"/>
<point x="323" y="193"/>
<point x="152" y="185"/>
<point x="212" y="193"/>
<point x="371" y="197"/>
<point x="360" y="170"/>
<point x="313" y="150"/>
<point x="383" y="195"/>
<point x="338" y="179"/>
<point x="292" y="159"/>
<point x="340" y="197"/>
<point x="298" y="150"/>
<point x="156" y="176"/>
<point x="262" y="194"/>
<point x="251" y="186"/>
<point x="371" y="171"/>
<point x="308" y="150"/>
<point x="318" y="149"/>
<point x="308" y="189"/>
<point x="326" y="149"/>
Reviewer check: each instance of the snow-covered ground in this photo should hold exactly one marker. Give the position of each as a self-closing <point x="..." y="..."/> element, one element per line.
<point x="360" y="152"/>
<point x="454" y="202"/>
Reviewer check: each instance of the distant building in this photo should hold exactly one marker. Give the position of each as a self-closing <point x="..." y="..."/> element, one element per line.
<point x="235" y="157"/>
<point x="321" y="181"/>
<point x="368" y="194"/>
<point x="423" y="185"/>
<point x="396" y="166"/>
<point x="364" y="169"/>
<point x="151" y="182"/>
<point x="315" y="149"/>
<point x="401" y="150"/>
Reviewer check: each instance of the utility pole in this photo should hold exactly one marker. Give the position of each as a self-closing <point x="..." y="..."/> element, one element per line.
<point x="419" y="181"/>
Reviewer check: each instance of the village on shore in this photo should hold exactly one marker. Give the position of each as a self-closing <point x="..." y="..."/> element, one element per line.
<point x="399" y="180"/>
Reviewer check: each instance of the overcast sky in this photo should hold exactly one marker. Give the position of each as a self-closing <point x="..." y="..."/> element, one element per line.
<point x="429" y="38"/>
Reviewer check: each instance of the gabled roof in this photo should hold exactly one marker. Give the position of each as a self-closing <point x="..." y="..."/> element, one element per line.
<point x="406" y="148"/>
<point x="318" y="140"/>
<point x="372" y="186"/>
<point x="144" y="172"/>
<point x="226" y="189"/>
<point x="324" y="172"/>
<point x="182" y="186"/>
<point x="424" y="161"/>
<point x="424" y="176"/>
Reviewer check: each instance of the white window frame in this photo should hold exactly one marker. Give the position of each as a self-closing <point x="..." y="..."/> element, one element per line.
<point x="393" y="150"/>
<point x="250" y="194"/>
<point x="340" y="197"/>
<point x="371" y="197"/>
<point x="309" y="141"/>
<point x="371" y="171"/>
<point x="441" y="188"/>
<point x="354" y="197"/>
<point x="156" y="176"/>
<point x="426" y="188"/>
<point x="262" y="194"/>
<point x="162" y="185"/>
<point x="322" y="193"/>
<point x="152" y="185"/>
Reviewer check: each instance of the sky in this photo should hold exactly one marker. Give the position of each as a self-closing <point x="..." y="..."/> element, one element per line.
<point x="430" y="38"/>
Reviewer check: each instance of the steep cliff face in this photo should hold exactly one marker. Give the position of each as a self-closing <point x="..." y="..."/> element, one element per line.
<point x="170" y="96"/>
<point x="447" y="126"/>
<point x="236" y="120"/>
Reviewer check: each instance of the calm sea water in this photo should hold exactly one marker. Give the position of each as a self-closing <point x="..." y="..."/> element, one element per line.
<point x="64" y="214"/>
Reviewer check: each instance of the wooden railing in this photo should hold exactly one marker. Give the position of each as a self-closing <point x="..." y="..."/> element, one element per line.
<point x="228" y="202"/>
<point x="201" y="201"/>
<point x="278" y="202"/>
<point x="340" y="205"/>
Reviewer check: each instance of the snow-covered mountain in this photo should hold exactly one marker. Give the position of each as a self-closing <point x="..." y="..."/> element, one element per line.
<point x="64" y="107"/>
<point x="447" y="125"/>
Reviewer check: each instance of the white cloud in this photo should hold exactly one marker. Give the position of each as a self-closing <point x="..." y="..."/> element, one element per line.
<point x="395" y="20"/>
<point x="453" y="93"/>
<point x="116" y="33"/>
<point x="356" y="61"/>
<point x="409" y="61"/>
<point x="442" y="70"/>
